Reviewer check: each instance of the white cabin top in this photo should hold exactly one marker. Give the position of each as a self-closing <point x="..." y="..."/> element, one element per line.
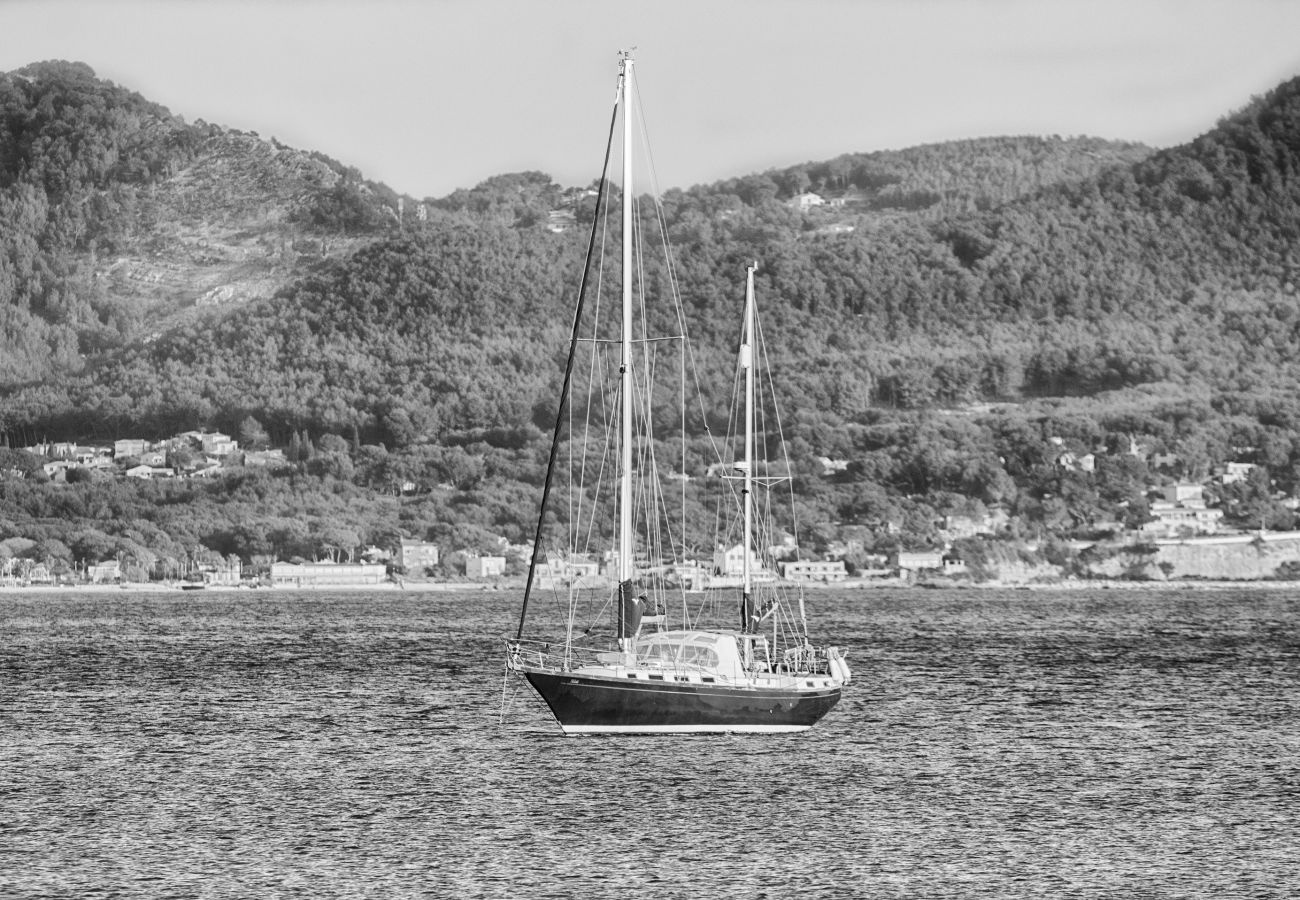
<point x="716" y="651"/>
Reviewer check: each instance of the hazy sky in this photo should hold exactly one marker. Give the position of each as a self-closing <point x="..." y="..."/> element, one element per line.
<point x="431" y="96"/>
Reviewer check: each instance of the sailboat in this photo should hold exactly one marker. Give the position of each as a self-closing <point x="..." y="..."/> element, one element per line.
<point x="739" y="665"/>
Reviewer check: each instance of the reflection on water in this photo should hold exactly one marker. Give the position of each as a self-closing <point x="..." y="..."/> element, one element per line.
<point x="1006" y="745"/>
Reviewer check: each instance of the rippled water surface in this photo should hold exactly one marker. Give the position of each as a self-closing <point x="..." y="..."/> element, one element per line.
<point x="1122" y="743"/>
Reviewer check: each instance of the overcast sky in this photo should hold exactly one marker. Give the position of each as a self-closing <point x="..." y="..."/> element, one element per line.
<point x="431" y="96"/>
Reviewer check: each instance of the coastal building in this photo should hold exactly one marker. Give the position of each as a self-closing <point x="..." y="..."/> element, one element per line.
<point x="224" y="574"/>
<point x="690" y="575"/>
<point x="731" y="560"/>
<point x="958" y="527"/>
<point x="826" y="570"/>
<point x="106" y="572"/>
<point x="918" y="561"/>
<point x="326" y="574"/>
<point x="1181" y="512"/>
<point x="418" y="555"/>
<point x="485" y="566"/>
<point x="562" y="570"/>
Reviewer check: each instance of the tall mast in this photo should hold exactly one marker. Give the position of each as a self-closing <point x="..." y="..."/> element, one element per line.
<point x="625" y="534"/>
<point x="747" y="363"/>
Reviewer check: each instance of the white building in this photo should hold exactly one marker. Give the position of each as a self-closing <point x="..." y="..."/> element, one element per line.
<point x="143" y="471"/>
<point x="813" y="570"/>
<point x="109" y="570"/>
<point x="1233" y="472"/>
<point x="485" y="566"/>
<point x="418" y="555"/>
<point x="806" y="201"/>
<point x="731" y="560"/>
<point x="218" y="444"/>
<point x="129" y="447"/>
<point x="1182" y="511"/>
<point x="919" y="560"/>
<point x="326" y="574"/>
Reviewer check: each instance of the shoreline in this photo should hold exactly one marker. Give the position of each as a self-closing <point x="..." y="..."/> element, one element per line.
<point x="481" y="587"/>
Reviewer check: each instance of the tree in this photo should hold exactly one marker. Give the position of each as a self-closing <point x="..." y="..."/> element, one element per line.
<point x="252" y="436"/>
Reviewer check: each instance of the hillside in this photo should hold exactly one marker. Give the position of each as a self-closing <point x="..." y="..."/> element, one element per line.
<point x="956" y="317"/>
<point x="116" y="217"/>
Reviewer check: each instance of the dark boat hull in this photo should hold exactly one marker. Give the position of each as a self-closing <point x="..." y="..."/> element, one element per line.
<point x="602" y="705"/>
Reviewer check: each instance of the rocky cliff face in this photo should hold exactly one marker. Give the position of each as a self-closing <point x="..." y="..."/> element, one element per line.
<point x="1243" y="559"/>
<point x="1234" y="558"/>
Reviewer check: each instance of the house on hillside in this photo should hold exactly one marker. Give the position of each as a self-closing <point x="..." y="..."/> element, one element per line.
<point x="1182" y="511"/>
<point x="217" y="444"/>
<point x="958" y="527"/>
<point x="852" y="197"/>
<point x="57" y="469"/>
<point x="266" y="459"/>
<point x="806" y="201"/>
<point x="559" y="221"/>
<point x="832" y="466"/>
<point x="129" y="447"/>
<point x="144" y="471"/>
<point x="1233" y="472"/>
<point x="94" y="457"/>
<point x="1163" y="461"/>
<point x="1085" y="462"/>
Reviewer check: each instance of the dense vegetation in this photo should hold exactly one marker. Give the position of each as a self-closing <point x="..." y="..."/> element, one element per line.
<point x="970" y="312"/>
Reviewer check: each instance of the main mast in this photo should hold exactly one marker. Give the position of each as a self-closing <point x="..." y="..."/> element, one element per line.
<point x="747" y="486"/>
<point x="625" y="533"/>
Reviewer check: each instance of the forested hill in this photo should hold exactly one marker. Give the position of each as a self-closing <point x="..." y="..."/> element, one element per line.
<point x="132" y="245"/>
<point x="158" y="275"/>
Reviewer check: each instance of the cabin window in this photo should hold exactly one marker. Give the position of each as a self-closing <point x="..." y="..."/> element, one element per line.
<point x="703" y="657"/>
<point x="654" y="653"/>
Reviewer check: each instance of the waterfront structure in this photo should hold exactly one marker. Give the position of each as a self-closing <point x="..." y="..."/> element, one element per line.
<point x="485" y="566"/>
<point x="326" y="574"/>
<point x="826" y="570"/>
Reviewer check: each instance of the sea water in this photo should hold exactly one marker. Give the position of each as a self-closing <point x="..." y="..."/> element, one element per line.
<point x="1019" y="744"/>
